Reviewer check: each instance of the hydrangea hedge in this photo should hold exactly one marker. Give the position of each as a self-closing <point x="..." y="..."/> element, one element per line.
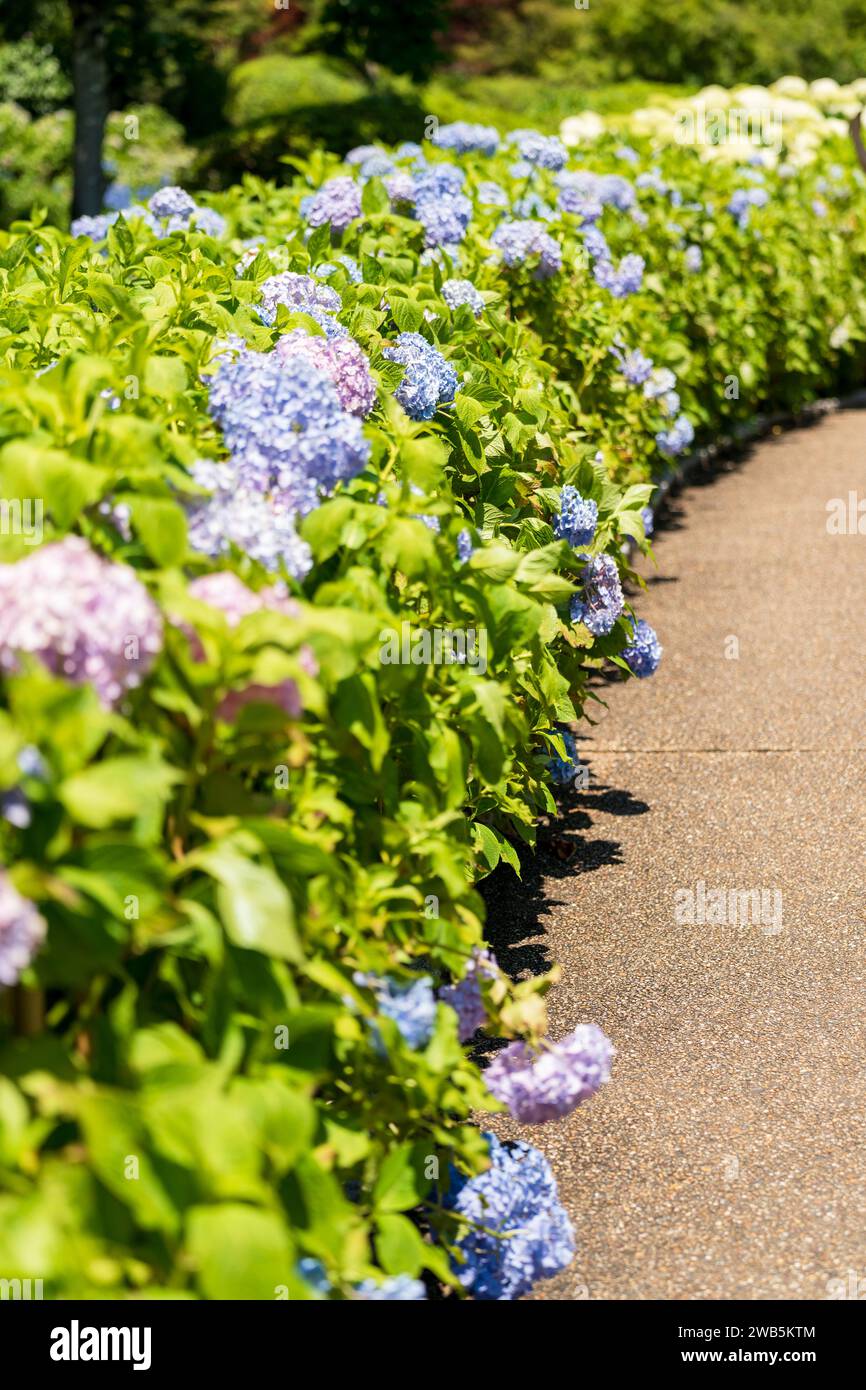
<point x="314" y="511"/>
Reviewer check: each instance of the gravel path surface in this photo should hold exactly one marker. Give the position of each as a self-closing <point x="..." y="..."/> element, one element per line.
<point x="727" y="1156"/>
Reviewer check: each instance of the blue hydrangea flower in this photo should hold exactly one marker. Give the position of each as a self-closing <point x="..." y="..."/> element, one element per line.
<point x="644" y="651"/>
<point x="647" y="516"/>
<point x="411" y="1004"/>
<point x="626" y="279"/>
<point x="519" y="1231"/>
<point x="465" y="137"/>
<point x="742" y="202"/>
<point x="516" y="242"/>
<point x="429" y="381"/>
<point x="694" y="258"/>
<point x="563" y="770"/>
<point x="577" y="519"/>
<point x="635" y="367"/>
<point x="628" y="154"/>
<point x="444" y="218"/>
<point x="492" y="195"/>
<point x="261" y="525"/>
<point x="602" y="601"/>
<point x="349" y="264"/>
<point x="285" y="428"/>
<point x="209" y="221"/>
<point x="400" y="1288"/>
<point x="438" y="181"/>
<point x="660" y="381"/>
<point x="313" y="1272"/>
<point x="376" y="167"/>
<point x="361" y="153"/>
<point x="652" y="179"/>
<point x="457" y="292"/>
<point x="533" y="205"/>
<point x="94" y="227"/>
<point x="541" y="151"/>
<point x="465" y="547"/>
<point x="400" y="187"/>
<point x="172" y="202"/>
<point x="677" y="439"/>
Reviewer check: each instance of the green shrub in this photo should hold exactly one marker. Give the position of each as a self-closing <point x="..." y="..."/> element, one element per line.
<point x="197" y="1090"/>
<point x="277" y="86"/>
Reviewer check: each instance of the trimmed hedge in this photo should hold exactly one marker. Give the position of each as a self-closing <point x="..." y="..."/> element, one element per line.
<point x="198" y="1088"/>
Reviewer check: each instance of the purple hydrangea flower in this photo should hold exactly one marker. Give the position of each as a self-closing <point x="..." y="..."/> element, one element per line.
<point x="231" y="597"/>
<point x="602" y="601"/>
<point x="516" y="242"/>
<point x="341" y="359"/>
<point x="457" y="292"/>
<point x="465" y="136"/>
<point x="22" y="931"/>
<point x="626" y="279"/>
<point x="742" y="202"/>
<point x="519" y="1231"/>
<point x="400" y="187"/>
<point x="466" y="998"/>
<point x="595" y="243"/>
<point x="338" y="202"/>
<point x="465" y="547"/>
<point x="411" y="1004"/>
<point x="303" y="294"/>
<point x="85" y="618"/>
<point x="644" y="651"/>
<point x="94" y="227"/>
<point x="677" y="439"/>
<point x="543" y="1085"/>
<point x="577" y="519"/>
<point x="429" y="381"/>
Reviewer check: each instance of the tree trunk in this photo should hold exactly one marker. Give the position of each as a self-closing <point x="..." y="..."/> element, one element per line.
<point x="90" y="82"/>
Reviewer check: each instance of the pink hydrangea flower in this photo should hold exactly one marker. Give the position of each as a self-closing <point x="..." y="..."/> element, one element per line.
<point x="87" y="619"/>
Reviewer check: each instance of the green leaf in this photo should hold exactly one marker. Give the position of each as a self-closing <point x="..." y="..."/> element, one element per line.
<point x="254" y="904"/>
<point x="239" y="1252"/>
<point x="117" y="789"/>
<point x="401" y="1183"/>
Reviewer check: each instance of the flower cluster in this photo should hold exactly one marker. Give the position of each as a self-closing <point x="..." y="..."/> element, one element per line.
<point x="519" y="1230"/>
<point x="677" y="439"/>
<point x="428" y="381"/>
<point x="257" y="524"/>
<point x="85" y="618"/>
<point x="284" y="426"/>
<point x="635" y="366"/>
<point x="542" y="151"/>
<point x="563" y="770"/>
<point x="410" y="1004"/>
<point x="463" y="137"/>
<point x="466" y="998"/>
<point x="644" y="651"/>
<point x="457" y="292"/>
<point x="602" y="601"/>
<point x="577" y="519"/>
<point x="546" y="1084"/>
<point x="518" y="241"/>
<point x="338" y="202"/>
<point x="302" y="294"/>
<point x="742" y="202"/>
<point x="343" y="362"/>
<point x="623" y="280"/>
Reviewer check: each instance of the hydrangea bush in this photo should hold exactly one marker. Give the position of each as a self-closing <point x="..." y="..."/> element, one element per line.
<point x="241" y="447"/>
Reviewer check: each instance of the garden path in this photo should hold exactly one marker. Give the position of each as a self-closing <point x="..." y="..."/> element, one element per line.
<point x="727" y="1156"/>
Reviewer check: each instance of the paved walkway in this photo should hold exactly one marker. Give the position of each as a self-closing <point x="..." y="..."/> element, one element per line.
<point x="727" y="1156"/>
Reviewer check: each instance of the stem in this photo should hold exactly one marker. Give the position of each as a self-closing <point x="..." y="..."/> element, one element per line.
<point x="28" y="1008"/>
